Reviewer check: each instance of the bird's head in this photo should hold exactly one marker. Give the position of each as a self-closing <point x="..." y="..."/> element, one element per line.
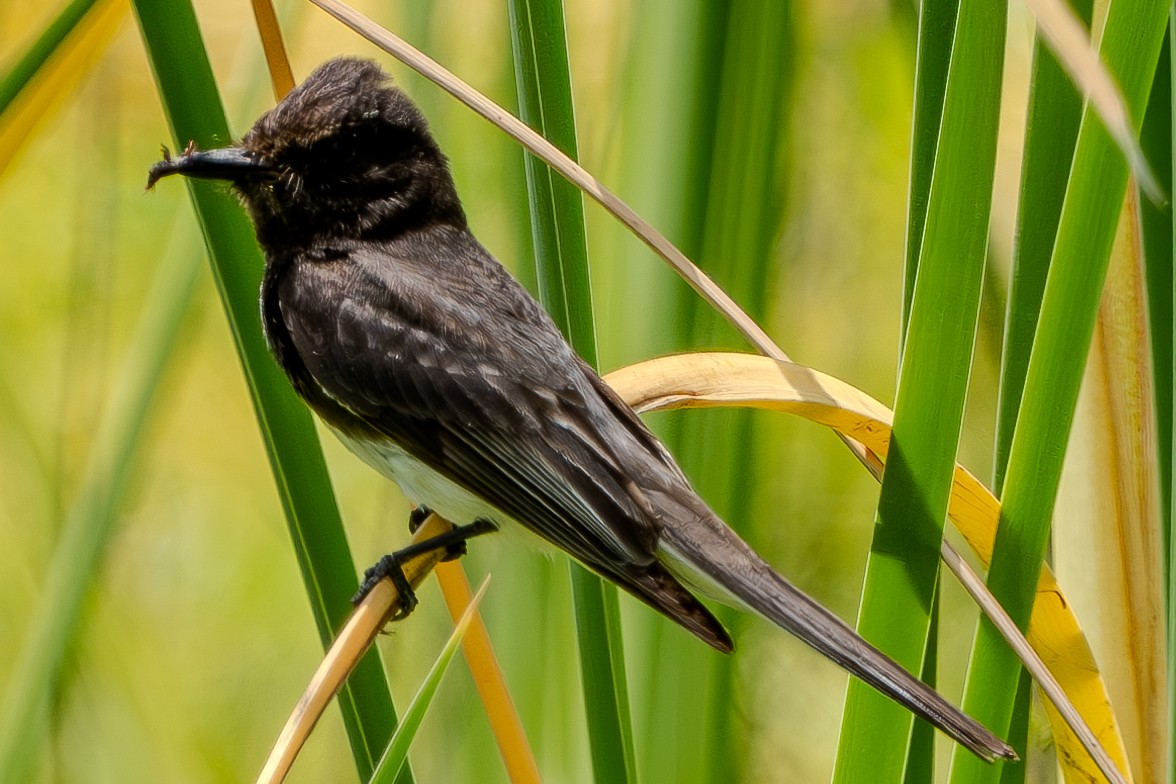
<point x="344" y="154"/>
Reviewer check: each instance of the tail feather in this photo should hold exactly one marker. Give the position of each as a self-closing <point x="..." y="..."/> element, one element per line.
<point x="708" y="554"/>
<point x="656" y="586"/>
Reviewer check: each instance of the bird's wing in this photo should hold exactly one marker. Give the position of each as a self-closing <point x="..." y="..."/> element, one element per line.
<point x="503" y="409"/>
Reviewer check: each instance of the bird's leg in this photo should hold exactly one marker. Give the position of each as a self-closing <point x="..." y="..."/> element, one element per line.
<point x="390" y="565"/>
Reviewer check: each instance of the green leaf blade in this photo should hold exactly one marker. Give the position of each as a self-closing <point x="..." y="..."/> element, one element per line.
<point x="194" y="110"/>
<point x="395" y="756"/>
<point x="902" y="569"/>
<point x="543" y="83"/>
<point x="1130" y="46"/>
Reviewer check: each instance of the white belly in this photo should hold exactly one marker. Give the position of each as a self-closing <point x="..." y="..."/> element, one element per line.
<point x="421" y="484"/>
<point x="424" y="486"/>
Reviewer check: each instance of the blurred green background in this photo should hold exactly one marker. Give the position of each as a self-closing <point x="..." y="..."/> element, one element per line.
<point x="197" y="640"/>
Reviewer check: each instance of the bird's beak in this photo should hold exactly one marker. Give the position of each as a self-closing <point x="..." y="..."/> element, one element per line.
<point x="225" y="163"/>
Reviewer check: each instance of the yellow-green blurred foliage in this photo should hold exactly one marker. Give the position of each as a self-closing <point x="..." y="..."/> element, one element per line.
<point x="197" y="639"/>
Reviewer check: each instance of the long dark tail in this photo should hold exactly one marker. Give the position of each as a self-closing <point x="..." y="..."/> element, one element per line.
<point x="707" y="551"/>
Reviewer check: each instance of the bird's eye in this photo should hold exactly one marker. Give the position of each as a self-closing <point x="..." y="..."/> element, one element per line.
<point x="338" y="148"/>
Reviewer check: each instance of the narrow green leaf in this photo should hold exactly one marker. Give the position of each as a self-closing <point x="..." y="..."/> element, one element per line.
<point x="1055" y="110"/>
<point x="34" y="58"/>
<point x="902" y="569"/>
<point x="557" y="213"/>
<point x="1156" y="136"/>
<point x="920" y="765"/>
<point x="193" y="107"/>
<point x="1018" y="736"/>
<point x="1156" y="223"/>
<point x="933" y="56"/>
<point x="396" y="754"/>
<point x="1170" y="368"/>
<point x="936" y="23"/>
<point x="543" y="83"/>
<point x="1130" y="47"/>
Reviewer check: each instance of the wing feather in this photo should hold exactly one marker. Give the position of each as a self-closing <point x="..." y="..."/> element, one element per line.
<point x="479" y="412"/>
<point x="472" y="378"/>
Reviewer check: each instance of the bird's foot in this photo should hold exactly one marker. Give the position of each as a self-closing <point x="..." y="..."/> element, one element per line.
<point x="390" y="565"/>
<point x="417" y="517"/>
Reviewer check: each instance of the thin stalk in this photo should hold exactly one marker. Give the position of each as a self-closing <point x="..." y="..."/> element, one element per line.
<point x="544" y="89"/>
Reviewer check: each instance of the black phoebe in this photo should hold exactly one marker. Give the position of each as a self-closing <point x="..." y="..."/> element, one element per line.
<point x="440" y="371"/>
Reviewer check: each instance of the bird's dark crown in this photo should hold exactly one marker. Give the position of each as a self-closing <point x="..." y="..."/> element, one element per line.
<point x="345" y="154"/>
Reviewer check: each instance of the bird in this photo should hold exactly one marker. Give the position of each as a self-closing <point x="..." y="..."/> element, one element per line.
<point x="435" y="367"/>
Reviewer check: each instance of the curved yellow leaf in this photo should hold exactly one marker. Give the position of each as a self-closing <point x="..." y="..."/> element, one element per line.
<point x="719" y="379"/>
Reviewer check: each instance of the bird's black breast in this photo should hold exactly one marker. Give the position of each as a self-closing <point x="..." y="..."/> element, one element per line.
<point x="282" y="273"/>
